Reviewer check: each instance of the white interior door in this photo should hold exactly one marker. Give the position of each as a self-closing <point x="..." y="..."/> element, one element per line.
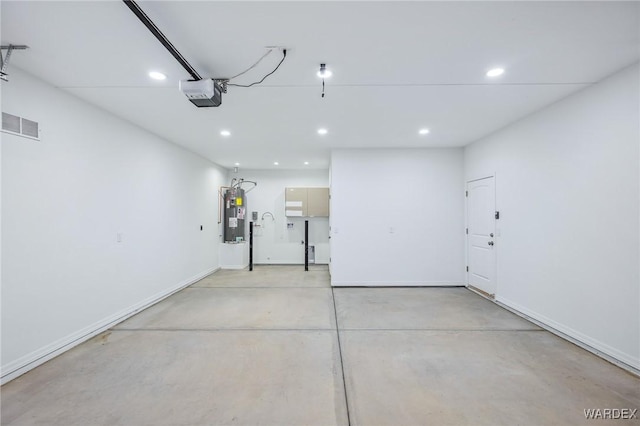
<point x="481" y="209"/>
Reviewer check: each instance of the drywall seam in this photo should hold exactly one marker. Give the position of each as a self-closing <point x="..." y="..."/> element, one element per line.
<point x="594" y="346"/>
<point x="40" y="356"/>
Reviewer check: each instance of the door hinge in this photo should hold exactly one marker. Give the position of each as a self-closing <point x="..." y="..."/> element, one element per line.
<point x="497" y="215"/>
<point x="466" y="230"/>
<point x="467" y="269"/>
<point x="466" y="193"/>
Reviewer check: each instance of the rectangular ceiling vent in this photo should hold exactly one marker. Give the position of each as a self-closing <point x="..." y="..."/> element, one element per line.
<point x="20" y="126"/>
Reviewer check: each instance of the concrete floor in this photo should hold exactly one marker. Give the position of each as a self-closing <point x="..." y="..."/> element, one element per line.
<point x="262" y="348"/>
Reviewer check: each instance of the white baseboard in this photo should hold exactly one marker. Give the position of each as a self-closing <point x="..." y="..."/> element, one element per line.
<point x="396" y="284"/>
<point x="590" y="344"/>
<point x="40" y="356"/>
<point x="286" y="263"/>
<point x="234" y="266"/>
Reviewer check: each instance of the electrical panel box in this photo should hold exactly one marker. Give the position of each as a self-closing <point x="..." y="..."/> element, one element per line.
<point x="307" y="202"/>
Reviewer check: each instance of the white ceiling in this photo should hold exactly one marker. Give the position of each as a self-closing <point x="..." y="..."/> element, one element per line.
<point x="398" y="67"/>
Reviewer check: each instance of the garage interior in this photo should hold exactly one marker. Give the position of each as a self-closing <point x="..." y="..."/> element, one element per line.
<point x="320" y="212"/>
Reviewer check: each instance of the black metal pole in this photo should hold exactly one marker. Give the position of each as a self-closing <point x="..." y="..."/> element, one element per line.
<point x="251" y="246"/>
<point x="161" y="38"/>
<point x="306" y="245"/>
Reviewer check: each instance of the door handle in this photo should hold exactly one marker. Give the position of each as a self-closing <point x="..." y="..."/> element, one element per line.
<point x="490" y="243"/>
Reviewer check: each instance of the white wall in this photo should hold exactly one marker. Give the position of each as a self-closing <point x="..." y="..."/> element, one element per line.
<point x="274" y="243"/>
<point x="567" y="189"/>
<point x="65" y="198"/>
<point x="397" y="217"/>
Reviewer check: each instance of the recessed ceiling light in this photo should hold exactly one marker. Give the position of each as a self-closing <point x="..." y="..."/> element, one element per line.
<point x="423" y="131"/>
<point x="306" y="163"/>
<point x="225" y="133"/>
<point x="275" y="163"/>
<point x="237" y="164"/>
<point x="322" y="131"/>
<point x="324" y="72"/>
<point x="157" y="75"/>
<point x="495" y="72"/>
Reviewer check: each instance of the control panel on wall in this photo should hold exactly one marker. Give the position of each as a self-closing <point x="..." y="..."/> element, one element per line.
<point x="307" y="202"/>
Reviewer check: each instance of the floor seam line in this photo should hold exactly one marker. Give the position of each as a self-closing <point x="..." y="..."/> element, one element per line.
<point x="344" y="379"/>
<point x="327" y="329"/>
<point x="258" y="287"/>
<point x="442" y="329"/>
<point x="222" y="329"/>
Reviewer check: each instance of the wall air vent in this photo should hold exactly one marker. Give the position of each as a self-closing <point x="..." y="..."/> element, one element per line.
<point x="19" y="126"/>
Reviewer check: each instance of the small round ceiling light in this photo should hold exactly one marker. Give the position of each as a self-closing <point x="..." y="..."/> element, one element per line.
<point x="322" y="131"/>
<point x="323" y="72"/>
<point x="237" y="164"/>
<point x="275" y="163"/>
<point x="157" y="75"/>
<point x="306" y="163"/>
<point x="225" y="133"/>
<point x="423" y="131"/>
<point x="495" y="72"/>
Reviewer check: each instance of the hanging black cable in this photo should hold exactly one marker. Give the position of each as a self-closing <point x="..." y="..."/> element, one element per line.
<point x="284" y="55"/>
<point x="252" y="66"/>
<point x="161" y="38"/>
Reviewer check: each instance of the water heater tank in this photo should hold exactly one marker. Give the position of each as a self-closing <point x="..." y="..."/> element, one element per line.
<point x="235" y="208"/>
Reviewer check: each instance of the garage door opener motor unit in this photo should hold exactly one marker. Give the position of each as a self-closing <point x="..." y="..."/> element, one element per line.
<point x="202" y="93"/>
